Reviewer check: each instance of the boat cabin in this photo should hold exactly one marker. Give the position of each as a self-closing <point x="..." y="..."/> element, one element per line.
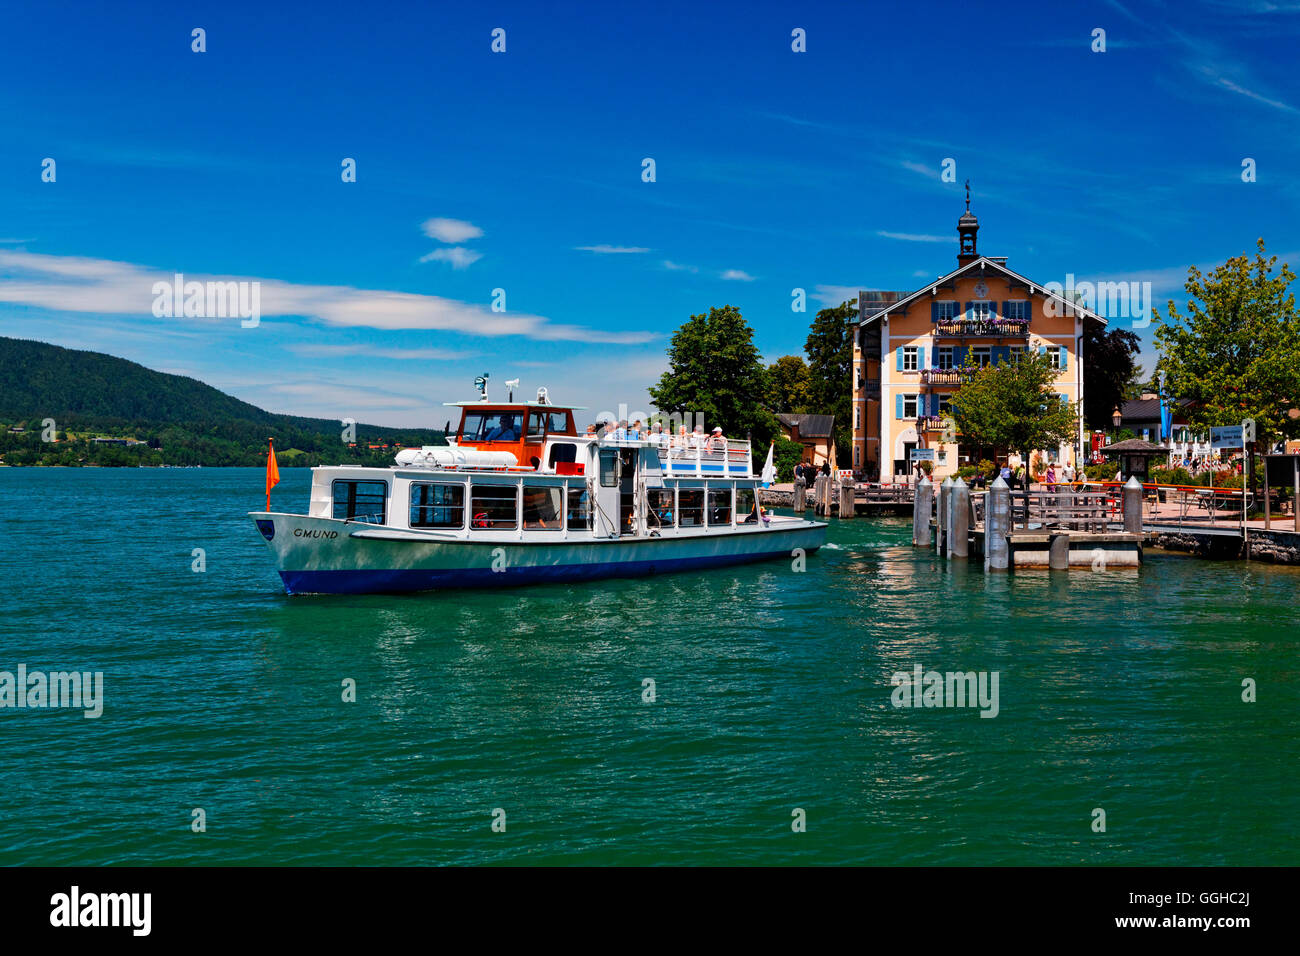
<point x="519" y="428"/>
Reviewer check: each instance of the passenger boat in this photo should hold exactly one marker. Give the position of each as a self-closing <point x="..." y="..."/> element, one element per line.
<point x="517" y="497"/>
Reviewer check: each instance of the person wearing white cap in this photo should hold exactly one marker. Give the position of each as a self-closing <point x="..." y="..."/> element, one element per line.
<point x="716" y="441"/>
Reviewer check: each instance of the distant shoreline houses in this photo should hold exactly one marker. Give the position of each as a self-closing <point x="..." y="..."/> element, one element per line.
<point x="909" y="348"/>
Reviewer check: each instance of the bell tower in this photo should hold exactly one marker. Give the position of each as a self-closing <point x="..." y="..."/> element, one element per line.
<point x="967" y="227"/>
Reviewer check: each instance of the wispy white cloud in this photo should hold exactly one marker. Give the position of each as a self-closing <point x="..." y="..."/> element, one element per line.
<point x="833" y="295"/>
<point x="737" y="275"/>
<point x="679" y="267"/>
<point x="106" y="287"/>
<point x="315" y="350"/>
<point x="458" y="256"/>
<point x="450" y="231"/>
<point x="914" y="236"/>
<point x="929" y="171"/>
<point x="1276" y="104"/>
<point x="603" y="250"/>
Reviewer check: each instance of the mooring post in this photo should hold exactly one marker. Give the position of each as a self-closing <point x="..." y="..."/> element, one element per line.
<point x="800" y="495"/>
<point x="848" y="499"/>
<point x="997" y="524"/>
<point x="941" y="518"/>
<point x="1058" y="552"/>
<point x="959" y="524"/>
<point x="1133" y="505"/>
<point x="921" y="506"/>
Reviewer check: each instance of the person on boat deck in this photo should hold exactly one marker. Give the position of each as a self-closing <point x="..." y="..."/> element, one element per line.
<point x="506" y="431"/>
<point x="656" y="435"/>
<point x="610" y="427"/>
<point x="716" y="441"/>
<point x="634" y="433"/>
<point x="697" y="437"/>
<point x="591" y="431"/>
<point x="620" y="433"/>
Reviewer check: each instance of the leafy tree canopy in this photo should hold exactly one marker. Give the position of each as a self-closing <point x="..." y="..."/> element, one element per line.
<point x="1011" y="405"/>
<point x="714" y="371"/>
<point x="1110" y="371"/>
<point x="789" y="385"/>
<point x="830" y="363"/>
<point x="1237" y="353"/>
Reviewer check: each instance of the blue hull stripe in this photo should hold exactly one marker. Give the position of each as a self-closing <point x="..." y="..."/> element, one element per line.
<point x="371" y="581"/>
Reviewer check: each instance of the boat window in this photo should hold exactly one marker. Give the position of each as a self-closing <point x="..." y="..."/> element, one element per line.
<point x="690" y="507"/>
<point x="553" y="423"/>
<point x="437" y="505"/>
<point x="745" y="511"/>
<point x="609" y="468"/>
<point x="565" y="451"/>
<point x="543" y="507"/>
<point x="719" y="506"/>
<point x="493" y="506"/>
<point x="579" y="506"/>
<point x="360" y="500"/>
<point x="660" y="501"/>
<point x="491" y="426"/>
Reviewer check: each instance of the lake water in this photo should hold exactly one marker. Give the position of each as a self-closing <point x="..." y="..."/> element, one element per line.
<point x="1119" y="690"/>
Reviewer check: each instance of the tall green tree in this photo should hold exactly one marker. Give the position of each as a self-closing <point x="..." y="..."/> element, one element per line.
<point x="1010" y="405"/>
<point x="714" y="370"/>
<point x="1237" y="353"/>
<point x="830" y="363"/>
<point x="789" y="382"/>
<point x="1110" y="371"/>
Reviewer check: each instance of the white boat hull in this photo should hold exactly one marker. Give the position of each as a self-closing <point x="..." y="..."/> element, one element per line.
<point x="329" y="556"/>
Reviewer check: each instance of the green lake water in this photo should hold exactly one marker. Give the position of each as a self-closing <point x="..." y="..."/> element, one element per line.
<point x="1119" y="690"/>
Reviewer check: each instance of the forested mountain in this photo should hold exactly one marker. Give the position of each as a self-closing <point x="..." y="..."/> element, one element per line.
<point x="180" y="420"/>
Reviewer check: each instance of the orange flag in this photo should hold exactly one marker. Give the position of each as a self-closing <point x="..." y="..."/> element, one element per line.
<point x="272" y="474"/>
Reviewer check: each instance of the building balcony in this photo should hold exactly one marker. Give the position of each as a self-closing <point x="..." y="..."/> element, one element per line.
<point x="929" y="423"/>
<point x="871" y="389"/>
<point x="943" y="376"/>
<point x="994" y="328"/>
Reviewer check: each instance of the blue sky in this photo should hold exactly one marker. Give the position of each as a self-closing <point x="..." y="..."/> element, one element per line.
<point x="774" y="170"/>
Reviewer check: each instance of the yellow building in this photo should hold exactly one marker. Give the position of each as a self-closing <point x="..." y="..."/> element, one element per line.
<point x="910" y="346"/>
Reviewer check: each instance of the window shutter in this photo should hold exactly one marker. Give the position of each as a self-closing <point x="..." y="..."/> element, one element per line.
<point x="1042" y="350"/>
<point x="920" y="357"/>
<point x="1006" y="310"/>
<point x="898" y="406"/>
<point x="898" y="355"/>
<point x="1000" y="353"/>
<point x="934" y="311"/>
<point x="1064" y="357"/>
<point x="959" y="356"/>
<point x="968" y="311"/>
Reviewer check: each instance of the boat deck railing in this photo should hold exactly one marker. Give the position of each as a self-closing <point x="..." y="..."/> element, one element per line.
<point x="710" y="456"/>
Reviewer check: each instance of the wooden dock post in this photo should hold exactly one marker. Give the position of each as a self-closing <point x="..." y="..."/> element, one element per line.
<point x="959" y="521"/>
<point x="941" y="518"/>
<point x="848" y="499"/>
<point x="922" y="505"/>
<point x="800" y="496"/>
<point x="997" y="524"/>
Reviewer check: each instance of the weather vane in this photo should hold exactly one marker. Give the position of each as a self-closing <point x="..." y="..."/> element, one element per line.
<point x="968" y="195"/>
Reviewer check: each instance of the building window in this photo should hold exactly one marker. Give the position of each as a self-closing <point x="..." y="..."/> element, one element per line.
<point x="909" y="406"/>
<point x="1054" y="356"/>
<point x="947" y="310"/>
<point x="543" y="507"/>
<point x="909" y="358"/>
<point x="1016" y="352"/>
<point x="494" y="506"/>
<point x="360" y="501"/>
<point x="437" y="506"/>
<point x="746" y="513"/>
<point x="1018" y="310"/>
<point x="945" y="404"/>
<point x="609" y="469"/>
<point x="943" y="359"/>
<point x="943" y="456"/>
<point x="981" y="355"/>
<point x="857" y="417"/>
<point x="981" y="311"/>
